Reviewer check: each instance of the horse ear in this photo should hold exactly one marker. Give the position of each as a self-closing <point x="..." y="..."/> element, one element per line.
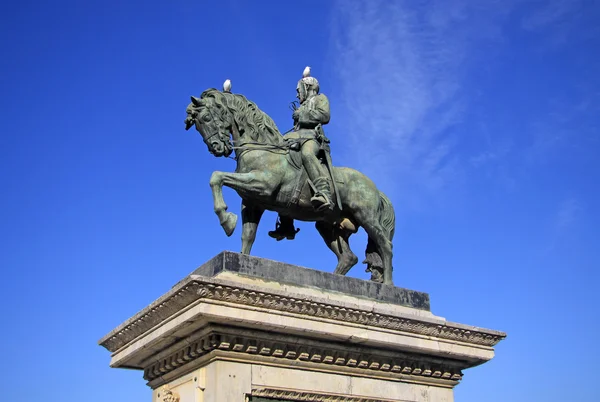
<point x="196" y="101"/>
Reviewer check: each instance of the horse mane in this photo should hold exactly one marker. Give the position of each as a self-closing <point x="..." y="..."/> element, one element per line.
<point x="252" y="122"/>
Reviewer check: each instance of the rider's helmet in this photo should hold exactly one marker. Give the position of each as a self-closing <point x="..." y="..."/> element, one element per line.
<point x="307" y="82"/>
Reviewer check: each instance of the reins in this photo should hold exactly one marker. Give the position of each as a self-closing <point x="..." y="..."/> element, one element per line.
<point x="277" y="149"/>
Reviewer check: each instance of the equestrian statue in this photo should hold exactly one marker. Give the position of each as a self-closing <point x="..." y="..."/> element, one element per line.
<point x="292" y="174"/>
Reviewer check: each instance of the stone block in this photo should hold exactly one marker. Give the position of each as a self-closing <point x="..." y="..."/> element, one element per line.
<point x="243" y="328"/>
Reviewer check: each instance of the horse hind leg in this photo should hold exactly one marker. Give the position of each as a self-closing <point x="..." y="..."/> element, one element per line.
<point x="377" y="218"/>
<point x="378" y="255"/>
<point x="337" y="241"/>
<point x="374" y="262"/>
<point x="251" y="215"/>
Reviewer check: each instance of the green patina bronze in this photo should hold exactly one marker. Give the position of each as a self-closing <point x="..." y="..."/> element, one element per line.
<point x="293" y="176"/>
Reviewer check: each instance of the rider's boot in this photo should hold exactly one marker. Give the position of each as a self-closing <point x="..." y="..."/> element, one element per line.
<point x="284" y="229"/>
<point x="321" y="201"/>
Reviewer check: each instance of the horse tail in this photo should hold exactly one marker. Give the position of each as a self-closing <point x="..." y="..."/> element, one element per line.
<point x="387" y="221"/>
<point x="387" y="217"/>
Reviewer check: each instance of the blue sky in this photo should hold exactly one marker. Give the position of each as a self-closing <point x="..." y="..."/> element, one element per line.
<point x="479" y="119"/>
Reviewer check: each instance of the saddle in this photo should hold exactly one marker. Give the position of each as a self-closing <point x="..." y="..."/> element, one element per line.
<point x="291" y="196"/>
<point x="293" y="143"/>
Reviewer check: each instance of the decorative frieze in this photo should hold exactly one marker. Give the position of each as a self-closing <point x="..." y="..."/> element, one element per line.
<point x="198" y="288"/>
<point x="293" y="395"/>
<point x="309" y="351"/>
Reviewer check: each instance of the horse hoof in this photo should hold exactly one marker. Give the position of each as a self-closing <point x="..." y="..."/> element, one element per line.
<point x="376" y="273"/>
<point x="229" y="223"/>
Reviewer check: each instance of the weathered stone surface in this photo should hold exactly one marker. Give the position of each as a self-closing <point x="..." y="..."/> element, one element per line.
<point x="232" y="330"/>
<point x="247" y="265"/>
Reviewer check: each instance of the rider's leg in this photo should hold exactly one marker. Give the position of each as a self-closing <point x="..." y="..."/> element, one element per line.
<point x="317" y="173"/>
<point x="284" y="229"/>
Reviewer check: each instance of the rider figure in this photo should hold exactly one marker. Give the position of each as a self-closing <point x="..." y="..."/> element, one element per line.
<point x="313" y="112"/>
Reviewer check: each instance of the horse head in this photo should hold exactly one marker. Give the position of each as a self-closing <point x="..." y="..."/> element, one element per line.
<point x="212" y="120"/>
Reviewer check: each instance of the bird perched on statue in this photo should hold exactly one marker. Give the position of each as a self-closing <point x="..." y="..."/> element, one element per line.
<point x="227" y="86"/>
<point x="308" y="80"/>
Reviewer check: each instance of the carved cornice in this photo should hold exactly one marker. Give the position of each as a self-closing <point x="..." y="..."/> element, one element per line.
<point x="161" y="309"/>
<point x="315" y="352"/>
<point x="292" y="395"/>
<point x="219" y="290"/>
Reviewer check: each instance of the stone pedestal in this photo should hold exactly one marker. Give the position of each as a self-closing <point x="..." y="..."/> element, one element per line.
<point x="242" y="328"/>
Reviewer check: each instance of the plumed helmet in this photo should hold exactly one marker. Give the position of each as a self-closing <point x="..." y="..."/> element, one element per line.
<point x="308" y="81"/>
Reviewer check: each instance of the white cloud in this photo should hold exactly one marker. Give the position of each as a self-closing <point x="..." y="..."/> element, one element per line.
<point x="548" y="13"/>
<point x="561" y="21"/>
<point x="564" y="223"/>
<point x="567" y="131"/>
<point x="567" y="215"/>
<point x="401" y="69"/>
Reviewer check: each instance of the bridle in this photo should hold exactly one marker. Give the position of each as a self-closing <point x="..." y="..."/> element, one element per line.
<point x="207" y="138"/>
<point x="244" y="146"/>
<point x="218" y="132"/>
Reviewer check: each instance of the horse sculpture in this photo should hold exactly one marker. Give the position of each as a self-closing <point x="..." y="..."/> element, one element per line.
<point x="269" y="177"/>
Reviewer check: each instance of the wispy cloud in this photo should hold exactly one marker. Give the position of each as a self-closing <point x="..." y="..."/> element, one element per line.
<point x="567" y="215"/>
<point x="568" y="130"/>
<point x="564" y="223"/>
<point x="560" y="21"/>
<point x="549" y="13"/>
<point x="403" y="91"/>
<point x="401" y="71"/>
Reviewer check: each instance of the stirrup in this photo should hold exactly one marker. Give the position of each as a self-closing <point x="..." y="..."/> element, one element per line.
<point x="321" y="203"/>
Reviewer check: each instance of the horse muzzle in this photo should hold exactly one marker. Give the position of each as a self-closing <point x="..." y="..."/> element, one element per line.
<point x="219" y="148"/>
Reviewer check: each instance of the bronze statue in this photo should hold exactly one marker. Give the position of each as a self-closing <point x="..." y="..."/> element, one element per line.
<point x="292" y="175"/>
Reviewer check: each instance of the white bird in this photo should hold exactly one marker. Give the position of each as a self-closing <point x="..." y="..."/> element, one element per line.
<point x="306" y="72"/>
<point x="227" y="86"/>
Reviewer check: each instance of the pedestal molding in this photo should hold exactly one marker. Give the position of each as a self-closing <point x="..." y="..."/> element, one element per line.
<point x="245" y="329"/>
<point x="196" y="288"/>
<point x="290" y="350"/>
<point x="299" y="395"/>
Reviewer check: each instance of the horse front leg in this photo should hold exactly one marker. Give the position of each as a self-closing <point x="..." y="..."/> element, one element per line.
<point x="250" y="183"/>
<point x="251" y="215"/>
<point x="227" y="220"/>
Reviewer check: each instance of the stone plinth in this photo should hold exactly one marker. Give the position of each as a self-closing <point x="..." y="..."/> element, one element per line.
<point x="242" y="328"/>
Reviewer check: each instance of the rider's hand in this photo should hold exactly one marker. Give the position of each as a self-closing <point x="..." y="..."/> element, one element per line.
<point x="296" y="114"/>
